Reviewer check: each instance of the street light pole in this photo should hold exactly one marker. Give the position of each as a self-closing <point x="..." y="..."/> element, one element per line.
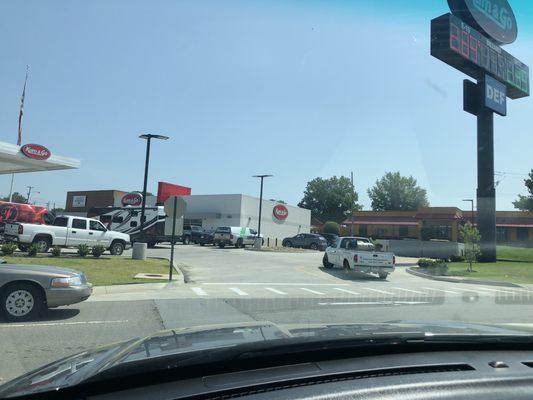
<point x="29" y="194"/>
<point x="148" y="138"/>
<point x="262" y="177"/>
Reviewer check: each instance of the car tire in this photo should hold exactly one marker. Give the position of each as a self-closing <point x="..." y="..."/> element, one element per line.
<point x="288" y="244"/>
<point x="21" y="302"/>
<point x="325" y="262"/>
<point x="383" y="275"/>
<point x="221" y="245"/>
<point x="42" y="243"/>
<point x="186" y="240"/>
<point x="346" y="265"/>
<point x="202" y="244"/>
<point x="313" y="246"/>
<point x="239" y="244"/>
<point x="151" y="245"/>
<point x="23" y="247"/>
<point x="117" y="248"/>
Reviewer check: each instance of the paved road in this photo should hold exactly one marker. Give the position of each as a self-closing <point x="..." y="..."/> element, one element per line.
<point x="239" y="286"/>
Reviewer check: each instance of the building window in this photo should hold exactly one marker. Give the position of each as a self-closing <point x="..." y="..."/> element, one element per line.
<point x="404" y="231"/>
<point x="363" y="230"/>
<point x="381" y="233"/>
<point x="443" y="232"/>
<point x="501" y="234"/>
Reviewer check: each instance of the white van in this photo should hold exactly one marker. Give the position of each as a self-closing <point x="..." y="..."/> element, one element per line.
<point x="237" y="236"/>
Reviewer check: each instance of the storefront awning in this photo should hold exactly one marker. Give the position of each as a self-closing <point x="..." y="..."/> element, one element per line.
<point x="12" y="160"/>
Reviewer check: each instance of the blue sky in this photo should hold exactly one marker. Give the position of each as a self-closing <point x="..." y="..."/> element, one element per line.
<point x="299" y="89"/>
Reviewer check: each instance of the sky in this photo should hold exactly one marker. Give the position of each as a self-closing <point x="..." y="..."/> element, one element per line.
<point x="294" y="88"/>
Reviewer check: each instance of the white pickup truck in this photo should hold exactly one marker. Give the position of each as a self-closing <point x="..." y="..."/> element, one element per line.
<point x="358" y="254"/>
<point x="67" y="231"/>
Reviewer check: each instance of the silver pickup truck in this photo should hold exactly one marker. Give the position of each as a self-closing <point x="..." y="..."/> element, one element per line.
<point x="358" y="254"/>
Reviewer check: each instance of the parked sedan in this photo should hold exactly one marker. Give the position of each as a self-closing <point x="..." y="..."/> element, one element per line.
<point x="26" y="290"/>
<point x="306" y="240"/>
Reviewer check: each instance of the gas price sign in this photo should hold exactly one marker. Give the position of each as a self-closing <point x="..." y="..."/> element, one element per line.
<point x="464" y="48"/>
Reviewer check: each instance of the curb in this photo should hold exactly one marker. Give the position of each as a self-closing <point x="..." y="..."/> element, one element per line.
<point x="460" y="280"/>
<point x="179" y="278"/>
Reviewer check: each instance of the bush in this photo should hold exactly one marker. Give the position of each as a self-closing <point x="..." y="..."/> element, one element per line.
<point x="433" y="267"/>
<point x="331" y="227"/>
<point x="457" y="259"/>
<point x="83" y="250"/>
<point x="8" y="248"/>
<point x="98" y="250"/>
<point x="425" y="262"/>
<point x="33" y="250"/>
<point x="56" y="251"/>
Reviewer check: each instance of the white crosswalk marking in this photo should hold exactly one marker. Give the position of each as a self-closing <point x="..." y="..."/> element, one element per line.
<point x="311" y="291"/>
<point x="238" y="291"/>
<point x="199" y="291"/>
<point x="409" y="290"/>
<point x="345" y="291"/>
<point x="275" y="290"/>
<point x="378" y="291"/>
<point x="441" y="290"/>
<point x="497" y="290"/>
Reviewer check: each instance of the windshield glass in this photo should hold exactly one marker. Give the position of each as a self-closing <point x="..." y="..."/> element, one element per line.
<point x="297" y="164"/>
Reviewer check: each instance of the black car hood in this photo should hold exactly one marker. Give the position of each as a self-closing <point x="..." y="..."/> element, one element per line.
<point x="199" y="340"/>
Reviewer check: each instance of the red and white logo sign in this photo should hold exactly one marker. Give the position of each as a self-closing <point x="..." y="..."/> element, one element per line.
<point x="280" y="212"/>
<point x="132" y="199"/>
<point x="35" y="151"/>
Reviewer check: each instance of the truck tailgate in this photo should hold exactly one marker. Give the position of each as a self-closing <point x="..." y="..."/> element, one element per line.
<point x="376" y="259"/>
<point x="11" y="229"/>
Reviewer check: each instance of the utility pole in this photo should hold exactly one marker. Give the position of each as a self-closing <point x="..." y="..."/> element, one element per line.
<point x="262" y="177"/>
<point x="29" y="194"/>
<point x="351" y="210"/>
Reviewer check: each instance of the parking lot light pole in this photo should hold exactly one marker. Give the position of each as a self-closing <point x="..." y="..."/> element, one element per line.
<point x="262" y="177"/>
<point x="148" y="138"/>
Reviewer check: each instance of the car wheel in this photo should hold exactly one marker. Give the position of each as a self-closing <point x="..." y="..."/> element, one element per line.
<point x="186" y="240"/>
<point x="383" y="275"/>
<point x="117" y="248"/>
<point x="325" y="262"/>
<point x="346" y="265"/>
<point x="23" y="247"/>
<point x="21" y="302"/>
<point x="239" y="243"/>
<point x="221" y="245"/>
<point x="151" y="244"/>
<point x="202" y="244"/>
<point x="313" y="246"/>
<point x="288" y="244"/>
<point x="43" y="244"/>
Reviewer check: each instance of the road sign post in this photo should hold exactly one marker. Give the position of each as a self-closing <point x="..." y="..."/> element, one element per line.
<point x="175" y="209"/>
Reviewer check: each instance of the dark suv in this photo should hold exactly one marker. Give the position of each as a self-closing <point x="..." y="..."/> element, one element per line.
<point x="306" y="240"/>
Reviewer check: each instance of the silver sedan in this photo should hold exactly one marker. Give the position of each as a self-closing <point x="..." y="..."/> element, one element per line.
<point x="26" y="290"/>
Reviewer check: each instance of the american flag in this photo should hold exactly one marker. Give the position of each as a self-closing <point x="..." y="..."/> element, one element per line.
<point x="21" y="113"/>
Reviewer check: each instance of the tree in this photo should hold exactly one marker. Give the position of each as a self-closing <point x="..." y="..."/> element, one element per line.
<point x="331" y="227"/>
<point x="16" y="198"/>
<point x="471" y="237"/>
<point x="396" y="192"/>
<point x="58" y="210"/>
<point x="525" y="203"/>
<point x="330" y="199"/>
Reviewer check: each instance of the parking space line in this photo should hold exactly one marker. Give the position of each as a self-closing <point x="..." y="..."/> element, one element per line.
<point x="409" y="290"/>
<point x="238" y="291"/>
<point x="497" y="290"/>
<point x="346" y="291"/>
<point x="378" y="291"/>
<point x="467" y="289"/>
<point x="311" y="291"/>
<point x="275" y="290"/>
<point x="199" y="291"/>
<point x="441" y="290"/>
<point x="274" y="284"/>
<point x="38" y="324"/>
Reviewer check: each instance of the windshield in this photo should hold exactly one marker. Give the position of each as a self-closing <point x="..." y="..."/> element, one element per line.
<point x="293" y="163"/>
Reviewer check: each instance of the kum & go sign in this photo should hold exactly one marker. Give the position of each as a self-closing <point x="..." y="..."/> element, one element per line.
<point x="280" y="212"/>
<point x="35" y="151"/>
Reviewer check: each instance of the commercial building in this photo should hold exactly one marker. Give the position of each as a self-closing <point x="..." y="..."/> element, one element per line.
<point x="512" y="227"/>
<point x="277" y="220"/>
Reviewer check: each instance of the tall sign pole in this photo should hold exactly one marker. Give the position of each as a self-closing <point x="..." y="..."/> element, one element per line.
<point x="470" y="39"/>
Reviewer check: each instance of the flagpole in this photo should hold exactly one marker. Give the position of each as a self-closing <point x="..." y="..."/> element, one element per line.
<point x="19" y="137"/>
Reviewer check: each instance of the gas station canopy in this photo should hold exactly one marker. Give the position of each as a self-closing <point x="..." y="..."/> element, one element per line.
<point x="14" y="160"/>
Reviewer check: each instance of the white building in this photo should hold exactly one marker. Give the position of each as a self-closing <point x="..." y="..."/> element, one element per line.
<point x="277" y="220"/>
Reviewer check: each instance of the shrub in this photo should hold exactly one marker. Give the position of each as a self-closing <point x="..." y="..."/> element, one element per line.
<point x="98" y="250"/>
<point x="83" y="250"/>
<point x="425" y="262"/>
<point x="331" y="227"/>
<point x="457" y="258"/>
<point x="433" y="267"/>
<point x="8" y="248"/>
<point x="56" y="251"/>
<point x="33" y="250"/>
